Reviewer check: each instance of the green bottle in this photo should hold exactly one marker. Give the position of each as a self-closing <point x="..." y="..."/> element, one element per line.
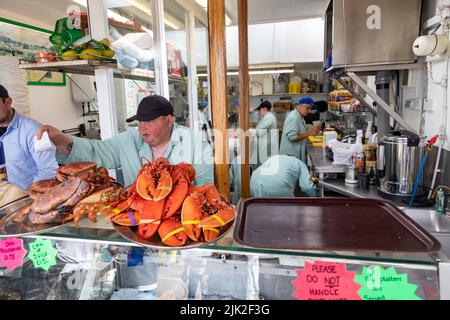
<point x="439" y="204"/>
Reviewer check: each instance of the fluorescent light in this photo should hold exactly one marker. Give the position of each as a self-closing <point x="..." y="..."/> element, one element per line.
<point x="236" y="73"/>
<point x="272" y="71"/>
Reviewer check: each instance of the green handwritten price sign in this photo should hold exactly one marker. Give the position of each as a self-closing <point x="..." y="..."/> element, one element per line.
<point x="380" y="284"/>
<point x="42" y="254"/>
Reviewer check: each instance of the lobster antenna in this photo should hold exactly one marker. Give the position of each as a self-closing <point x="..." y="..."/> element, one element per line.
<point x="142" y="158"/>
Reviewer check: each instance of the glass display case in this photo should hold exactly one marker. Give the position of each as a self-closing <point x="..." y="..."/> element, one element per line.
<point x="97" y="264"/>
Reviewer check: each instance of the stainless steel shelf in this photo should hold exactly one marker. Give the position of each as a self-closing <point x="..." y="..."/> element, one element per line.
<point x="375" y="68"/>
<point x="290" y="94"/>
<point x="340" y="113"/>
<point x="87" y="67"/>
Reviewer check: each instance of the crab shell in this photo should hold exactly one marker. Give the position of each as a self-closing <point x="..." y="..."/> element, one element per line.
<point x="68" y="193"/>
<point x="51" y="217"/>
<point x="39" y="187"/>
<point x="76" y="169"/>
<point x="43" y="186"/>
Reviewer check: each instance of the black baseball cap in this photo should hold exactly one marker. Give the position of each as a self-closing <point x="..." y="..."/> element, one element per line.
<point x="3" y="92"/>
<point x="264" y="104"/>
<point x="152" y="107"/>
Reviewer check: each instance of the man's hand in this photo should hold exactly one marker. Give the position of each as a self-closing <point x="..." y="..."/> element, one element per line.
<point x="62" y="141"/>
<point x="315" y="131"/>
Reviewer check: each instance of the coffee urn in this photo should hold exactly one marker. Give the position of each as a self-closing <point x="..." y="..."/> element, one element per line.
<point x="400" y="154"/>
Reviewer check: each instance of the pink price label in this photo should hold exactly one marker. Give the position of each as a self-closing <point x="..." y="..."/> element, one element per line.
<point x="325" y="281"/>
<point x="12" y="253"/>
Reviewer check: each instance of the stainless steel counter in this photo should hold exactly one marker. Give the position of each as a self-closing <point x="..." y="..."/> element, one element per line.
<point x="320" y="163"/>
<point x="350" y="190"/>
<point x="322" y="166"/>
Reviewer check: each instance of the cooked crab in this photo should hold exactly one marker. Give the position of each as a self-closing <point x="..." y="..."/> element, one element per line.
<point x="53" y="205"/>
<point x="86" y="171"/>
<point x="40" y="187"/>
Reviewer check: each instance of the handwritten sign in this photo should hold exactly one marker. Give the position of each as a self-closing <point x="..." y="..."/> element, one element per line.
<point x="380" y="284"/>
<point x="42" y="254"/>
<point x="325" y="281"/>
<point x="12" y="253"/>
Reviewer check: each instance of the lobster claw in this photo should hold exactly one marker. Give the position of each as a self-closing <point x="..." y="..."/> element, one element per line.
<point x="127" y="219"/>
<point x="210" y="234"/>
<point x="154" y="181"/>
<point x="172" y="233"/>
<point x="149" y="209"/>
<point x="176" y="198"/>
<point x="182" y="175"/>
<point x="223" y="216"/>
<point x="148" y="229"/>
<point x="192" y="214"/>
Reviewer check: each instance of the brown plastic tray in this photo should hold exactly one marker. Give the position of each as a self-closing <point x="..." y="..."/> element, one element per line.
<point x="331" y="224"/>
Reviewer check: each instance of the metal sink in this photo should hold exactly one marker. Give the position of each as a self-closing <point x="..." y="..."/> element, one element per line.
<point x="436" y="224"/>
<point x="429" y="219"/>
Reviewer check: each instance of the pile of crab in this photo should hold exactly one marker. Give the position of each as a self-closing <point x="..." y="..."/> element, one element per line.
<point x="80" y="188"/>
<point x="163" y="202"/>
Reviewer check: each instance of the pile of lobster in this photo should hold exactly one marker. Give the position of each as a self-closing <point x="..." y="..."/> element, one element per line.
<point x="79" y="189"/>
<point x="163" y="200"/>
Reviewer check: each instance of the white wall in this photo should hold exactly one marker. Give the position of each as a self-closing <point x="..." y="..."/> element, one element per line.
<point x="54" y="106"/>
<point x="434" y="118"/>
<point x="281" y="42"/>
<point x="50" y="104"/>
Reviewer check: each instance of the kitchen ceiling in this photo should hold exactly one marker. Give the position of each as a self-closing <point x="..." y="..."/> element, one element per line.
<point x="44" y="11"/>
<point x="262" y="11"/>
<point x="259" y="11"/>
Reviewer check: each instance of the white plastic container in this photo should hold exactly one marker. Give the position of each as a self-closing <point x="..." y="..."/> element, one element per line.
<point x="268" y="85"/>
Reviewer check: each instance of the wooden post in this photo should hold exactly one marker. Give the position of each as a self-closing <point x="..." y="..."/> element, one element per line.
<point x="244" y="80"/>
<point x="218" y="83"/>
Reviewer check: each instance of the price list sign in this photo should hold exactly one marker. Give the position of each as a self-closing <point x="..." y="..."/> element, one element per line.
<point x="325" y="281"/>
<point x="385" y="284"/>
<point x="42" y="254"/>
<point x="12" y="253"/>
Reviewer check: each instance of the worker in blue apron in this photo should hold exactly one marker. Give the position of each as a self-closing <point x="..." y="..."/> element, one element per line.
<point x="279" y="176"/>
<point x="295" y="134"/>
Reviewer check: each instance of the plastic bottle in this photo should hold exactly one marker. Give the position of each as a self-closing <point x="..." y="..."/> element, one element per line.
<point x="440" y="198"/>
<point x="359" y="163"/>
<point x="368" y="136"/>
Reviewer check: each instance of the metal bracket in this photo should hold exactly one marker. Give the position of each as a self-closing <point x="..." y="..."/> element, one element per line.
<point x="380" y="102"/>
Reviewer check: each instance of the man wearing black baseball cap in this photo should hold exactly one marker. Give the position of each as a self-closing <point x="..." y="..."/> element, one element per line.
<point x="23" y="165"/>
<point x="157" y="136"/>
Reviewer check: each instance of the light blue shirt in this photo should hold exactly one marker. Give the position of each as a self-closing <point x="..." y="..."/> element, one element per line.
<point x="279" y="176"/>
<point x="126" y="150"/>
<point x="23" y="165"/>
<point x="267" y="141"/>
<point x="293" y="126"/>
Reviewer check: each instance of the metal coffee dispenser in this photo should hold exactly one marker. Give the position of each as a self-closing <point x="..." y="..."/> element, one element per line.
<point x="400" y="154"/>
